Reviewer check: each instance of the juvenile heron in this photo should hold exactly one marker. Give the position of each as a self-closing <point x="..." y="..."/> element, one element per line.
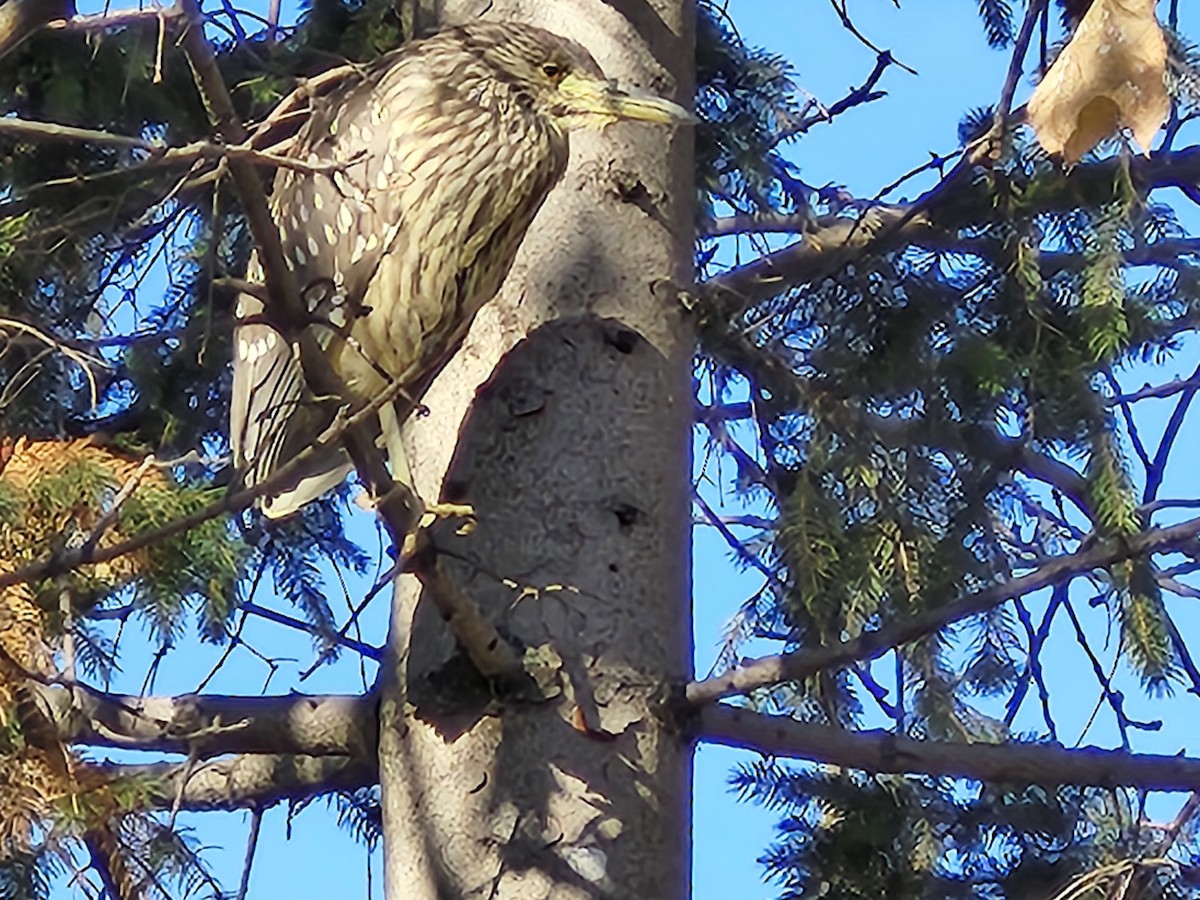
<point x="444" y="151"/>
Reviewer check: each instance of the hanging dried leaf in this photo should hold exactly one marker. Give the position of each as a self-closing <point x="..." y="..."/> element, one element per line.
<point x="1111" y="75"/>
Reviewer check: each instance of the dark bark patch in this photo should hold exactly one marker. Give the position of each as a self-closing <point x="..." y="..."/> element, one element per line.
<point x="627" y="514"/>
<point x="625" y="340"/>
<point x="456" y="490"/>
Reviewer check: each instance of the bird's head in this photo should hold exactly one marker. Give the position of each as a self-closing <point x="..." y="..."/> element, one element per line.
<point x="558" y="78"/>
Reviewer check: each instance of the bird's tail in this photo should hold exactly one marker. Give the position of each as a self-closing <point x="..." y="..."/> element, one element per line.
<point x="272" y="419"/>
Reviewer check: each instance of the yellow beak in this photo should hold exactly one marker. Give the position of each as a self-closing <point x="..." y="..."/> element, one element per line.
<point x="602" y="100"/>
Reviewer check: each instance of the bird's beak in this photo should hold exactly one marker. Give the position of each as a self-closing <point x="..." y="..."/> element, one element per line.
<point x="603" y="101"/>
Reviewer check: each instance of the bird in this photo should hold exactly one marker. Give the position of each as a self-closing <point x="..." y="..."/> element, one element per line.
<point x="415" y="180"/>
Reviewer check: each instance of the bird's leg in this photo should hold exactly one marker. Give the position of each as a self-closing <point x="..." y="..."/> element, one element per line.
<point x="424" y="513"/>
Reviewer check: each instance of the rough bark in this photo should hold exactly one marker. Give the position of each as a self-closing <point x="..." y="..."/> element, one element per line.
<point x="251" y="781"/>
<point x="575" y="456"/>
<point x="212" y="724"/>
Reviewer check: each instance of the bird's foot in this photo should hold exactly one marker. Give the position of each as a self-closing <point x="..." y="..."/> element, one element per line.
<point x="463" y="511"/>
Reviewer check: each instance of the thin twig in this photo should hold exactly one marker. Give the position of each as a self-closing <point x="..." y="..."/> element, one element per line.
<point x="346" y="641"/>
<point x="273" y="20"/>
<point x="800" y="664"/>
<point x="82" y="360"/>
<point x="1016" y="66"/>
<point x="841" y="8"/>
<point x="1171" y="833"/>
<point x="256" y="816"/>
<point x="736" y="545"/>
<point x="160" y="46"/>
<point x="110" y="515"/>
<point x="232" y="502"/>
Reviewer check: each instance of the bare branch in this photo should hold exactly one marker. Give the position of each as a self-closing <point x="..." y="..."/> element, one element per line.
<point x="212" y="724"/>
<point x="772" y="670"/>
<point x="84" y="361"/>
<point x="183" y="155"/>
<point x="882" y="751"/>
<point x="1159" y="391"/>
<point x="251" y="847"/>
<point x="115" y="19"/>
<point x="756" y="223"/>
<point x="1035" y="10"/>
<point x="864" y="93"/>
<point x="841" y="8"/>
<point x="249" y="781"/>
<point x="932" y="220"/>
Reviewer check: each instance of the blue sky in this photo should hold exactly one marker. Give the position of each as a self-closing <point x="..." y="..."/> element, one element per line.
<point x="863" y="150"/>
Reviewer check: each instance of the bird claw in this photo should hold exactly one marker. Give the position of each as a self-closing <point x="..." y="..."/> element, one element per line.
<point x="436" y="511"/>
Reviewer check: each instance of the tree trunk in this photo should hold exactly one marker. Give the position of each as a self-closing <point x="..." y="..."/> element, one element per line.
<point x="575" y="454"/>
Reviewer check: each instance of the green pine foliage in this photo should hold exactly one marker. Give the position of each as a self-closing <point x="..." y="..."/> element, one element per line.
<point x="894" y="397"/>
<point x="360" y="812"/>
<point x="746" y="102"/>
<point x="27" y="878"/>
<point x="997" y="18"/>
<point x="82" y="229"/>
<point x="85" y="229"/>
<point x="197" y="568"/>
<point x="852" y="835"/>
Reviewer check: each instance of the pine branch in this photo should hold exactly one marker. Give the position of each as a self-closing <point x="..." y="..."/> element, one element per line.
<point x="211" y="724"/>
<point x="1008" y="453"/>
<point x="881" y="751"/>
<point x="828" y="244"/>
<point x="932" y="220"/>
<point x="248" y="781"/>
<point x="184" y="155"/>
<point x="772" y="670"/>
<point x="756" y="223"/>
<point x="233" y="502"/>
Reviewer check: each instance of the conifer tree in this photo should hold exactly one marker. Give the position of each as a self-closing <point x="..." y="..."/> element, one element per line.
<point x="928" y="405"/>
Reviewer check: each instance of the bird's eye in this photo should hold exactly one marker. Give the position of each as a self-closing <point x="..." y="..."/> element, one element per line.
<point x="553" y="71"/>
